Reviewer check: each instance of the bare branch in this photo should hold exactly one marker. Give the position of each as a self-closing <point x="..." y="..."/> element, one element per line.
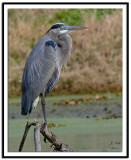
<point x="57" y="145"/>
<point x="37" y="138"/>
<point x="27" y="127"/>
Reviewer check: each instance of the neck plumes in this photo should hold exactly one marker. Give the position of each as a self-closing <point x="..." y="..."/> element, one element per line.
<point x="64" y="43"/>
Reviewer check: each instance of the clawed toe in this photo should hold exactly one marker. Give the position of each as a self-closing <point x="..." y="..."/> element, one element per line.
<point x="45" y="140"/>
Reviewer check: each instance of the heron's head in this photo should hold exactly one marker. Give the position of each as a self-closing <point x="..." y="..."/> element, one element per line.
<point x="61" y="28"/>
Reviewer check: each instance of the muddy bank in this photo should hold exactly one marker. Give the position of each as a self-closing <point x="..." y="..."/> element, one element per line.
<point x="111" y="107"/>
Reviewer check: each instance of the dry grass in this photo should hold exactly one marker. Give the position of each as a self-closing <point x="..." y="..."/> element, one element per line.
<point x="95" y="64"/>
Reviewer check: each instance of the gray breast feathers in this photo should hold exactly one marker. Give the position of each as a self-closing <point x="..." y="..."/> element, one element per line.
<point x="54" y="79"/>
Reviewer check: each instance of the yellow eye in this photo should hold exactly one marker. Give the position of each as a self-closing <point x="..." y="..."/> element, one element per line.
<point x="61" y="28"/>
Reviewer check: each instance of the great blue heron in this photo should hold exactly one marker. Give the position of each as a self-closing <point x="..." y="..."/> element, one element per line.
<point x="44" y="64"/>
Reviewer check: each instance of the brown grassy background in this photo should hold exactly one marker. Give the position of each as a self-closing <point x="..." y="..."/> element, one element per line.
<point x="95" y="64"/>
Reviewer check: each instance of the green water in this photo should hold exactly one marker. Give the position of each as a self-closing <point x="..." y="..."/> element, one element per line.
<point x="84" y="134"/>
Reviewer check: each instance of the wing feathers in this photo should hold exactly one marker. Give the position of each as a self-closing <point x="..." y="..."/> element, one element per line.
<point x="38" y="71"/>
<point x="54" y="79"/>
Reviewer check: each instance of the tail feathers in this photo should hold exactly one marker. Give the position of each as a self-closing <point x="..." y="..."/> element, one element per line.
<point x="26" y="104"/>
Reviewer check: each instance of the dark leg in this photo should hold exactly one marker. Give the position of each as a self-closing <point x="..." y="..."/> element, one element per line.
<point x="43" y="108"/>
<point x="44" y="112"/>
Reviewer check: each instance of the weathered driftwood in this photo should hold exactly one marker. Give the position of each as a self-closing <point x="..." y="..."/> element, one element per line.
<point x="37" y="138"/>
<point x="56" y="144"/>
<point x="27" y="127"/>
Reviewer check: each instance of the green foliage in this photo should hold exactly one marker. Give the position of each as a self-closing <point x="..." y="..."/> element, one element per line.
<point x="12" y="17"/>
<point x="27" y="17"/>
<point x="75" y="16"/>
<point x="17" y="58"/>
<point x="11" y="13"/>
<point x="41" y="19"/>
<point x="102" y="12"/>
<point x="99" y="13"/>
<point x="70" y="16"/>
<point x="67" y="83"/>
<point x="31" y="43"/>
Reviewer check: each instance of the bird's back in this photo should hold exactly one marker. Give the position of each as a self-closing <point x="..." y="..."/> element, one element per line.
<point x="37" y="72"/>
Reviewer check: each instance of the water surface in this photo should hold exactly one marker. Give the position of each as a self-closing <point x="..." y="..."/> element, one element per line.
<point x="85" y="127"/>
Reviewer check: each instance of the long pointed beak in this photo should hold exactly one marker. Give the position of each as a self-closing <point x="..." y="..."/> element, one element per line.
<point x="73" y="28"/>
<point x="66" y="29"/>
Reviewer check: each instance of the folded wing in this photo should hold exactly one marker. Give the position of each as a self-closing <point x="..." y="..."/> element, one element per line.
<point x="38" y="71"/>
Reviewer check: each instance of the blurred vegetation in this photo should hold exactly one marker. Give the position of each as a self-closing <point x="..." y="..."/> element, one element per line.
<point x="95" y="64"/>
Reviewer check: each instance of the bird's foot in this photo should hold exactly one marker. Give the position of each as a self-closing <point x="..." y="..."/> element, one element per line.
<point x="35" y="120"/>
<point x="45" y="126"/>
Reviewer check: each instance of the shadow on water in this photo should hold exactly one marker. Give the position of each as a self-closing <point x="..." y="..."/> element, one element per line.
<point x="94" y="126"/>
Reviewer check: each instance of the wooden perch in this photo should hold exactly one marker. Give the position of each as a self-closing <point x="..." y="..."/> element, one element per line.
<point x="57" y="145"/>
<point x="37" y="138"/>
<point x="27" y="127"/>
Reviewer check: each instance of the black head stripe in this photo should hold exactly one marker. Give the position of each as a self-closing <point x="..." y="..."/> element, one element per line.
<point x="55" y="26"/>
<point x="58" y="25"/>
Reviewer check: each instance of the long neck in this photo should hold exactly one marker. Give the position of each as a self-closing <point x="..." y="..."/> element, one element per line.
<point x="64" y="43"/>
